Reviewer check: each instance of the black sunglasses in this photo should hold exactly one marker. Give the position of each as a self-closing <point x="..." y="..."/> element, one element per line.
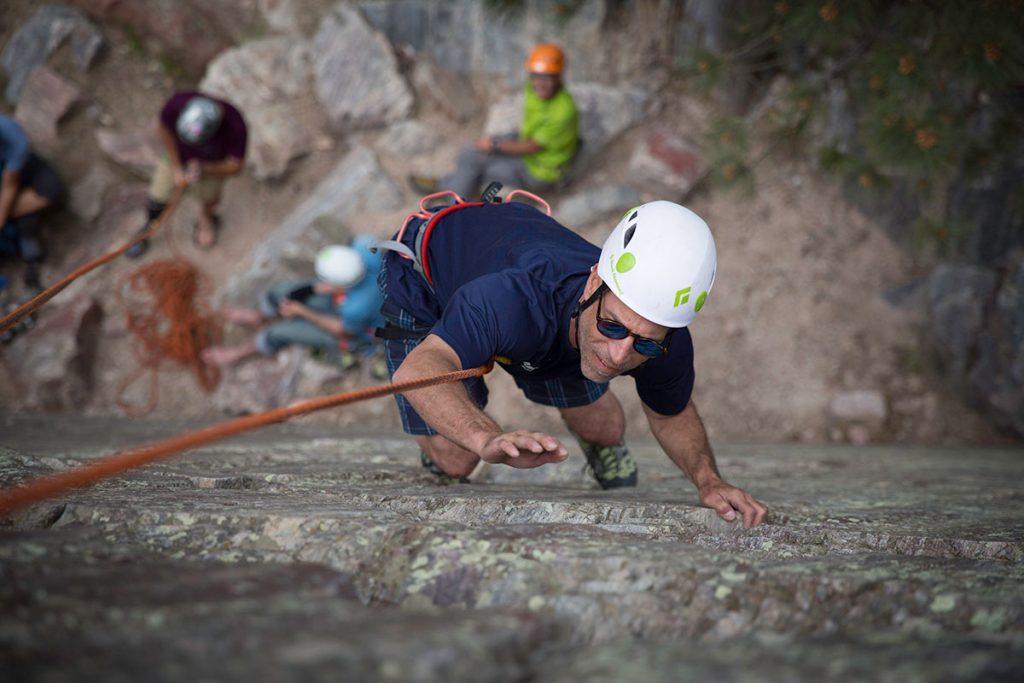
<point x="616" y="330"/>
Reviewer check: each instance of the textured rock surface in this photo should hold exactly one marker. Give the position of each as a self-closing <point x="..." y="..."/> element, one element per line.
<point x="299" y="552"/>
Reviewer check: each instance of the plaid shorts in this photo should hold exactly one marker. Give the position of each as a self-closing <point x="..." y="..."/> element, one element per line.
<point x="567" y="392"/>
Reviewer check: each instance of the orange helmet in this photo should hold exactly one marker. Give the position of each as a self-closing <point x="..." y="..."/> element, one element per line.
<point x="546" y="59"/>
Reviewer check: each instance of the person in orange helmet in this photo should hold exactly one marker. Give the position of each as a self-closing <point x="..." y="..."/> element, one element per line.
<point x="534" y="158"/>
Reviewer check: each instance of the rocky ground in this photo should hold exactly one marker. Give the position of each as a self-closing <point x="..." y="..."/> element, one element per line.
<point x="298" y="553"/>
<point x="814" y="332"/>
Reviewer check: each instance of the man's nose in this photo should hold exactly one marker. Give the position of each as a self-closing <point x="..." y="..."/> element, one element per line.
<point x="621" y="350"/>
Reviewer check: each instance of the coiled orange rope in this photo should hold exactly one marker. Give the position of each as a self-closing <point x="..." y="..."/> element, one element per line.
<point x="35" y="303"/>
<point x="170" y="322"/>
<point x="17" y="497"/>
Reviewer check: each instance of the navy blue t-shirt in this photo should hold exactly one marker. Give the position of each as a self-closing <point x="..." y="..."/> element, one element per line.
<point x="506" y="278"/>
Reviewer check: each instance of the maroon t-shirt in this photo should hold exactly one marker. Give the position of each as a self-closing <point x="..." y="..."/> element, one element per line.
<point x="228" y="141"/>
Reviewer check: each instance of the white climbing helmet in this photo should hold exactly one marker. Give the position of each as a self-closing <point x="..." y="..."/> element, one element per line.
<point x="660" y="261"/>
<point x="199" y="120"/>
<point x="340" y="266"/>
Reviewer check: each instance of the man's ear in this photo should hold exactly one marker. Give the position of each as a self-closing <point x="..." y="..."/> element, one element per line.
<point x="593" y="282"/>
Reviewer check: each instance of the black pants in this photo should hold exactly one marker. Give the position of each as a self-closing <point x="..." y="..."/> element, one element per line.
<point x="22" y="234"/>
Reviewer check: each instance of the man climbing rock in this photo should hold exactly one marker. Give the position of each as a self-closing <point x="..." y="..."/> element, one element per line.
<point x="204" y="141"/>
<point x="28" y="186"/>
<point x="335" y="314"/>
<point x="539" y="154"/>
<point x="502" y="281"/>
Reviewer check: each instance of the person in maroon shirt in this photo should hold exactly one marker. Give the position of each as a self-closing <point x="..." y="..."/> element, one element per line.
<point x="204" y="141"/>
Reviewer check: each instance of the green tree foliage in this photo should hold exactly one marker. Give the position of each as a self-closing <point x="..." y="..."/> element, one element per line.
<point x="930" y="84"/>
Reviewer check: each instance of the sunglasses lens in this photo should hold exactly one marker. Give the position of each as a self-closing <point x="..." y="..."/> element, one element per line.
<point x="612" y="330"/>
<point x="647" y="347"/>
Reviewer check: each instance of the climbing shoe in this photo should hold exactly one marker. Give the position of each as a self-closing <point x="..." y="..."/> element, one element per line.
<point x="379" y="369"/>
<point x="612" y="466"/>
<point x="424" y="184"/>
<point x="443" y="478"/>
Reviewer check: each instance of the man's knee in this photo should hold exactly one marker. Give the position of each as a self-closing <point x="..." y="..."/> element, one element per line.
<point x="470" y="158"/>
<point x="601" y="423"/>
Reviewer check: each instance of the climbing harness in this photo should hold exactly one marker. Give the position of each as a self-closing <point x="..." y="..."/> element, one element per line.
<point x="16" y="497"/>
<point x="430" y="217"/>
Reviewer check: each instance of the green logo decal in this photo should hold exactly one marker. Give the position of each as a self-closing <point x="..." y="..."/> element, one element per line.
<point x="682" y="296"/>
<point x="625" y="263"/>
<point x="701" y="298"/>
<point x="615" y="278"/>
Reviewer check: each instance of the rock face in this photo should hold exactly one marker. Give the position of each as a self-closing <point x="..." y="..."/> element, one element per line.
<point x="977" y="317"/>
<point x="269" y="81"/>
<point x="53" y="362"/>
<point x="32" y="44"/>
<point x="297" y="552"/>
<point x="356" y="184"/>
<point x="191" y="32"/>
<point x="356" y="73"/>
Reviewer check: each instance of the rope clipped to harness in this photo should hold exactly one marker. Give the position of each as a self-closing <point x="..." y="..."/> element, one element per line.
<point x="163" y="309"/>
<point x="17" y="497"/>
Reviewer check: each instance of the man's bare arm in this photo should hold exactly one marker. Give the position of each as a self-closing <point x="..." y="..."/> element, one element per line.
<point x="10" y="183"/>
<point x="685" y="442"/>
<point x="449" y="409"/>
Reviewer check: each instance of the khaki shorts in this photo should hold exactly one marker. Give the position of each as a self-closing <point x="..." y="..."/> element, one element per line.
<point x="161" y="187"/>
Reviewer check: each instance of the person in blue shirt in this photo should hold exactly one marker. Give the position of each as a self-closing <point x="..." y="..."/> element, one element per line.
<point x="335" y="314"/>
<point x="28" y="186"/>
<point x="504" y="282"/>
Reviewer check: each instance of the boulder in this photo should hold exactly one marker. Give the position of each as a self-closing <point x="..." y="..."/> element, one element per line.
<point x="87" y="194"/>
<point x="357" y="184"/>
<point x="190" y="32"/>
<point x="356" y="73"/>
<point x="45" y="99"/>
<point x="445" y="90"/>
<point x="269" y="81"/>
<point x="861" y="412"/>
<point x="408" y="139"/>
<point x="34" y="42"/>
<point x="669" y="161"/>
<point x="259" y="384"/>
<point x="137" y="149"/>
<point x="53" y="362"/>
<point x="587" y="206"/>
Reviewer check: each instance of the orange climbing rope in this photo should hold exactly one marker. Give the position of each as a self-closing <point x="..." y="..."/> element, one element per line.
<point x="161" y="311"/>
<point x="35" y="303"/>
<point x="17" y="497"/>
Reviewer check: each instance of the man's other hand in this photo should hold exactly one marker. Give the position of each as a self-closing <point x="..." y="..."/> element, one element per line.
<point x="727" y="500"/>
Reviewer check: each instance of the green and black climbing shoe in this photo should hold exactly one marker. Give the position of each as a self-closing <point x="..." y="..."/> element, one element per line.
<point x="612" y="466"/>
<point x="443" y="478"/>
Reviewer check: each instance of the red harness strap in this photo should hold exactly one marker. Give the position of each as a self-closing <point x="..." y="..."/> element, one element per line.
<point x="429" y="228"/>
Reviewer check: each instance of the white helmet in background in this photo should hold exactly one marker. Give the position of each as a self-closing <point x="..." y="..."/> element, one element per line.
<point x="340" y="266"/>
<point x="660" y="261"/>
<point x="199" y="120"/>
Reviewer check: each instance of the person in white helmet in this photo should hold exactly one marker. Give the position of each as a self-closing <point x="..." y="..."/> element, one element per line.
<point x="334" y="314"/>
<point x="504" y="282"/>
<point x="204" y="140"/>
